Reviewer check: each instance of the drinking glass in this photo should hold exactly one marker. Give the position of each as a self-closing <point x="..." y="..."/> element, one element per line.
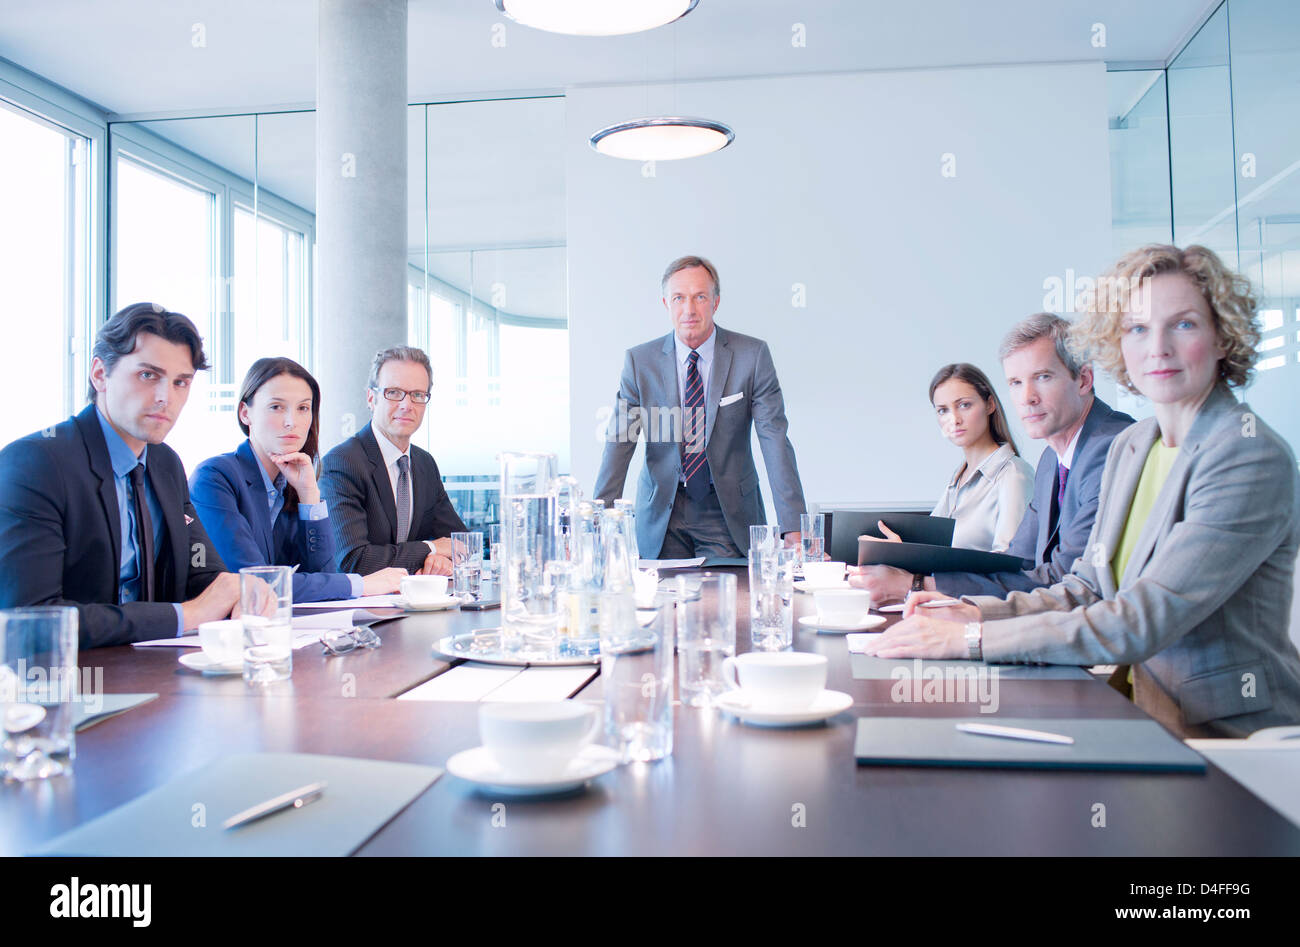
<point x="494" y="550"/>
<point x="39" y="691"/>
<point x="467" y="563"/>
<point x="636" y="665"/>
<point x="266" y="604"/>
<point x="771" y="597"/>
<point x="812" y="530"/>
<point x="706" y="636"/>
<point x="530" y="536"/>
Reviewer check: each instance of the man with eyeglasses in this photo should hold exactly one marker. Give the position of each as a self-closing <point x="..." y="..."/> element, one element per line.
<point x="386" y="498"/>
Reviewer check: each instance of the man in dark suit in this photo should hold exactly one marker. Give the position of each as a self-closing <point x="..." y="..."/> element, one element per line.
<point x="386" y="498"/>
<point x="1053" y="393"/>
<point x="95" y="512"/>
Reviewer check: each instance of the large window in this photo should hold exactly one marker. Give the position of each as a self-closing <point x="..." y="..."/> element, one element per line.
<point x="166" y="238"/>
<point x="270" y="291"/>
<point x="44" y="269"/>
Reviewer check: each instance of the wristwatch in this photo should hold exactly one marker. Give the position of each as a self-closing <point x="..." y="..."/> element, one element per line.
<point x="918" y="582"/>
<point x="975" y="640"/>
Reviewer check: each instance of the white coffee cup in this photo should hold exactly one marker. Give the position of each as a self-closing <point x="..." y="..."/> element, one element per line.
<point x="424" y="589"/>
<point x="223" y="641"/>
<point x="823" y="573"/>
<point x="841" y="606"/>
<point x="536" y="739"/>
<point x="778" y="680"/>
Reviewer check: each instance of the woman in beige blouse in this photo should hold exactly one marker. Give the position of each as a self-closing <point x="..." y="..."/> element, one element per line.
<point x="990" y="490"/>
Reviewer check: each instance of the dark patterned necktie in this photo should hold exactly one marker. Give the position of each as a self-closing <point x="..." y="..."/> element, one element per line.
<point x="403" y="498"/>
<point x="1062" y="472"/>
<point x="695" y="465"/>
<point x="143" y="535"/>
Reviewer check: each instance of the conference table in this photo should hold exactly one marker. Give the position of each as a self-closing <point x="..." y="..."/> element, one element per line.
<point x="727" y="789"/>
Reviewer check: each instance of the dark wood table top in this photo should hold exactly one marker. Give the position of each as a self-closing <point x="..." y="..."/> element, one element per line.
<point x="726" y="789"/>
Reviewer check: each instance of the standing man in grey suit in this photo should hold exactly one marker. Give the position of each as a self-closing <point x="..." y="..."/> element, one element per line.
<point x="1053" y="393"/>
<point x="693" y="395"/>
<point x="386" y="497"/>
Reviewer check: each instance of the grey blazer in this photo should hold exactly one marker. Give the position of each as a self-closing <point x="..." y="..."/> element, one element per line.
<point x="1201" y="611"/>
<point x="1073" y="523"/>
<point x="743" y="390"/>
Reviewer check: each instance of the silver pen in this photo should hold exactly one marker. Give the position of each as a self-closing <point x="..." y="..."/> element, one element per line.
<point x="293" y="799"/>
<point x="1013" y="733"/>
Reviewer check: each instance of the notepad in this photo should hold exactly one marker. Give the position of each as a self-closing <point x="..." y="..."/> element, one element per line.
<point x="184" y="817"/>
<point x="96" y="708"/>
<point x="867" y="667"/>
<point x="1129" y="745"/>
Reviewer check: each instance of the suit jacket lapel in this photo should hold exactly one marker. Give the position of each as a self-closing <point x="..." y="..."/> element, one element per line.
<point x="379" y="478"/>
<point x="102" y="467"/>
<point x="1044" y="488"/>
<point x="252" y="474"/>
<point x="1160" y="521"/>
<point x="717" y="380"/>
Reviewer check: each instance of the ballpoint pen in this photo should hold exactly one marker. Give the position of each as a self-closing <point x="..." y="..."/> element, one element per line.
<point x="294" y="798"/>
<point x="1013" y="733"/>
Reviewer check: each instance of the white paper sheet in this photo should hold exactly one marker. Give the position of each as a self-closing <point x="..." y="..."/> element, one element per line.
<point x="671" y="563"/>
<point x="542" y="684"/>
<point x="185" y="641"/>
<point x="468" y="682"/>
<point x="367" y="601"/>
<point x="858" y="640"/>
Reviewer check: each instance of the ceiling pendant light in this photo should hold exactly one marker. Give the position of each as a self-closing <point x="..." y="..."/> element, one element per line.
<point x="595" y="17"/>
<point x="662" y="139"/>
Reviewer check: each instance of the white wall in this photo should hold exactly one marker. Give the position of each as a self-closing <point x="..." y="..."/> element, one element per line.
<point x="835" y="182"/>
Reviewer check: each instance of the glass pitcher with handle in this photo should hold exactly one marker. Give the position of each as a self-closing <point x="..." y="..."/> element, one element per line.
<point x="531" y="587"/>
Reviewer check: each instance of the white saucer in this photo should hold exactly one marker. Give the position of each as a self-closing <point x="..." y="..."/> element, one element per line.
<point x="449" y="600"/>
<point x="826" y="705"/>
<point x="198" y="661"/>
<point x="895" y="609"/>
<point x="802" y="585"/>
<point x="865" y="623"/>
<point x="478" y="767"/>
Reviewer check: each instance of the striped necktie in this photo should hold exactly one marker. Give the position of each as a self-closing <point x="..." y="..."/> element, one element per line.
<point x="695" y="465"/>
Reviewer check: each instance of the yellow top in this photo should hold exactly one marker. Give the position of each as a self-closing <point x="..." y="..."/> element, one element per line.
<point x="1154" y="474"/>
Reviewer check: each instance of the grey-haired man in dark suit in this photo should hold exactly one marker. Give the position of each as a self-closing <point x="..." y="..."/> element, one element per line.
<point x="386" y="498"/>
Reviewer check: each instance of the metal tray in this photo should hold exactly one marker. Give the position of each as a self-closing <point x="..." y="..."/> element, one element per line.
<point x="489" y="651"/>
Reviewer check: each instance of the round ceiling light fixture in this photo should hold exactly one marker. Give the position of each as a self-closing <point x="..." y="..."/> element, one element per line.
<point x="662" y="139"/>
<point x="595" y="17"/>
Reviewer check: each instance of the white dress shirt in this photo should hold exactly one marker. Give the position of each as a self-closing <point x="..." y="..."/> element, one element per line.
<point x="988" y="508"/>
<point x="391" y="453"/>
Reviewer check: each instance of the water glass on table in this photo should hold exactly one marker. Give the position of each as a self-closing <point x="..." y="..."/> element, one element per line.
<point x="467" y="564"/>
<point x="812" y="532"/>
<point x="494" y="550"/>
<point x="39" y="691"/>
<point x="771" y="597"/>
<point x="266" y="607"/>
<point x="706" y="637"/>
<point x="637" y="670"/>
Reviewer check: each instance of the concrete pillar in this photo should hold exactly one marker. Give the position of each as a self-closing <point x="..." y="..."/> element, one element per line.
<point x="360" y="201"/>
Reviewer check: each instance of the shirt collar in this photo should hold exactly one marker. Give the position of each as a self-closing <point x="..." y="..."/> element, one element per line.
<point x="705" y="348"/>
<point x="271" y="485"/>
<point x="987" y="466"/>
<point x="119" y="454"/>
<point x="388" y="449"/>
<point x="1066" y="460"/>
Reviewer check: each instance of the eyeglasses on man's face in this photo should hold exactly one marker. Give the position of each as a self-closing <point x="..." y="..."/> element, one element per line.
<point x="398" y="394"/>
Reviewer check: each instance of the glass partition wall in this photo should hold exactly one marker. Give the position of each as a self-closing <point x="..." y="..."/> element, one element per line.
<point x="215" y="217"/>
<point x="1230" y="175"/>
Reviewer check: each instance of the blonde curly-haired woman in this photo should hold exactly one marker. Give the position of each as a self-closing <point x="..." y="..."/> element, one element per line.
<point x="1188" y="573"/>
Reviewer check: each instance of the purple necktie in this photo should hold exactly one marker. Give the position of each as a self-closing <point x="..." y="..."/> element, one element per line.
<point x="1062" y="472"/>
<point x="695" y="466"/>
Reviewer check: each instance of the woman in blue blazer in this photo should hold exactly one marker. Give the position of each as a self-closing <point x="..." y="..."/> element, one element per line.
<point x="260" y="503"/>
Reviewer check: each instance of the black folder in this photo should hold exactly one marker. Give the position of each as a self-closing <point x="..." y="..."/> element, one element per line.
<point x="843" y="527"/>
<point x="927" y="559"/>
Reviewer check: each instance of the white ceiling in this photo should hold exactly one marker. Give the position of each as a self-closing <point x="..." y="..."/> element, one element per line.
<point x="138" y="56"/>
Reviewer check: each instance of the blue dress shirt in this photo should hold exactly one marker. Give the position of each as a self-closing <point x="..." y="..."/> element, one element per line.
<point x="124" y="462"/>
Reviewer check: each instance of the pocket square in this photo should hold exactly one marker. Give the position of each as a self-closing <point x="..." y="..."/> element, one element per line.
<point x="731" y="399"/>
<point x="188" y="519"/>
